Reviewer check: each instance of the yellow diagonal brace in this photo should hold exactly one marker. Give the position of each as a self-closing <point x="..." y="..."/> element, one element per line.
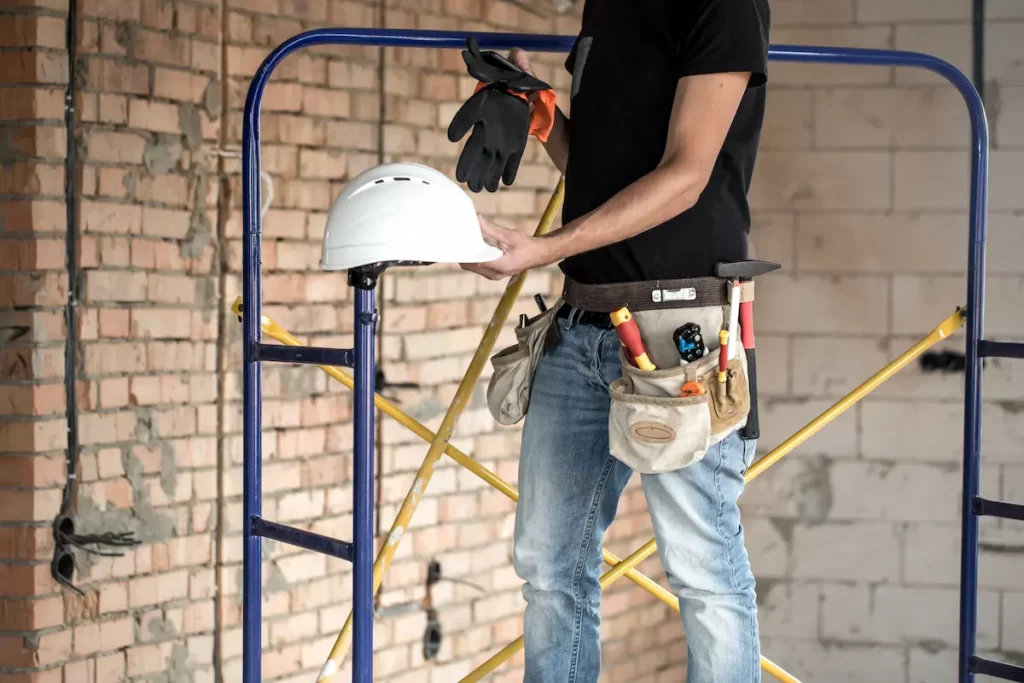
<point x="274" y="330"/>
<point x="944" y="330"/>
<point x="441" y="438"/>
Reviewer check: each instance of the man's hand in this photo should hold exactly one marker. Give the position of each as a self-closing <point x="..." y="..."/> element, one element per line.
<point x="557" y="145"/>
<point x="521" y="252"/>
<point x="521" y="58"/>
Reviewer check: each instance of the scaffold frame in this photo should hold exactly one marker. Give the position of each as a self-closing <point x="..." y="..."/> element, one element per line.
<point x="368" y="573"/>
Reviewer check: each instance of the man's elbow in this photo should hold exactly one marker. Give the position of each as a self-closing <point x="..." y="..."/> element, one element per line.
<point x="685" y="188"/>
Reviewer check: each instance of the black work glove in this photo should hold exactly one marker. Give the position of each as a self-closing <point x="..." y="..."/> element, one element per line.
<point x="500" y="120"/>
<point x="501" y="125"/>
<point x="490" y="67"/>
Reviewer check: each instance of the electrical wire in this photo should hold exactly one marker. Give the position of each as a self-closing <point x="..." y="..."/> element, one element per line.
<point x="62" y="567"/>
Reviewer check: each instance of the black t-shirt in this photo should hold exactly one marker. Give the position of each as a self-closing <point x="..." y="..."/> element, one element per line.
<point x="626" y="63"/>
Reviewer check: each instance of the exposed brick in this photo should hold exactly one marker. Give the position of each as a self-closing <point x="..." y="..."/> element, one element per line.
<point x="321" y="102"/>
<point x="32" y="289"/>
<point x="114" y="251"/>
<point x="27" y="30"/>
<point x="154" y="116"/>
<point x="105" y="358"/>
<point x="165" y="222"/>
<point x="118" y="148"/>
<point x="162" y="48"/>
<point x="34" y="67"/>
<point x="160" y="324"/>
<point x="112" y="285"/>
<point x="96" y="428"/>
<point x="111" y="218"/>
<point x="321" y="164"/>
<point x="120" y="77"/>
<point x="114" y="323"/>
<point x="33" y="471"/>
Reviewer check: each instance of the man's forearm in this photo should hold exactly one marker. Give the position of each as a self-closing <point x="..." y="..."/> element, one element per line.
<point x="658" y="196"/>
<point x="557" y="145"/>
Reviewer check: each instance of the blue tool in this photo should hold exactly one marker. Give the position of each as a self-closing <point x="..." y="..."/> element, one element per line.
<point x="689" y="342"/>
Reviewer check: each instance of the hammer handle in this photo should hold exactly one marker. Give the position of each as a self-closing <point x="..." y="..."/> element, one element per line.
<point x="752" y="429"/>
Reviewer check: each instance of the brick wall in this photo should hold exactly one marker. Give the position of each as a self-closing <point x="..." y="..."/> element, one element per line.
<point x="861" y="193"/>
<point x="161" y="85"/>
<point x="847" y="535"/>
<point x="33" y="290"/>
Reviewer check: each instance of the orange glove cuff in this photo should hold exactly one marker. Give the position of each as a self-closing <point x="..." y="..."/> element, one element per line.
<point x="542" y="117"/>
<point x="542" y="112"/>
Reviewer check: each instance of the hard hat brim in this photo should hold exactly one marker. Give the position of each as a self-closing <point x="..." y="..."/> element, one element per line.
<point x="354" y="256"/>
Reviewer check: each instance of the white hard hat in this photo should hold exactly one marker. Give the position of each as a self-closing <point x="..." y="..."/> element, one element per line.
<point x="403" y="212"/>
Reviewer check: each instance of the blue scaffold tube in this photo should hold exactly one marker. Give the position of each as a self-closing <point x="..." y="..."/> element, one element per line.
<point x="362" y="515"/>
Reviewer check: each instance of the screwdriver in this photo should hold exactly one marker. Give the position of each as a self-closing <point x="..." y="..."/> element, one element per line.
<point x="629" y="337"/>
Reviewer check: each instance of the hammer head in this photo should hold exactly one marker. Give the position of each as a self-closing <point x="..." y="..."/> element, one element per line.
<point x="743" y="270"/>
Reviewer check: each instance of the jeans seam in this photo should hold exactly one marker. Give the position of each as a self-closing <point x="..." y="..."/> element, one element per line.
<point x="718" y="517"/>
<point x="580" y="566"/>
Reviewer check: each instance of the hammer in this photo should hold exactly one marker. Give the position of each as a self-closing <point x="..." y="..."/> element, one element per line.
<point x="746" y="271"/>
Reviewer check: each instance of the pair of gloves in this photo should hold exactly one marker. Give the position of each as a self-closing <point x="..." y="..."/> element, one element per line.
<point x="501" y="118"/>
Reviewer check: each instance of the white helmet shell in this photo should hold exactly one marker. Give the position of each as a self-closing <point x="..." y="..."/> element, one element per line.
<point x="403" y="212"/>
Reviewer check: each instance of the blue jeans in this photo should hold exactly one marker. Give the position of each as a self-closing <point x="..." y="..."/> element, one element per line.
<point x="569" y="491"/>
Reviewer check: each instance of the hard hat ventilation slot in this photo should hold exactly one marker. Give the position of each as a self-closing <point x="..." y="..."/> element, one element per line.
<point x="381" y="181"/>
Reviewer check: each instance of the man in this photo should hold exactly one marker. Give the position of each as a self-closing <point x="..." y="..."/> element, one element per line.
<point x="667" y="103"/>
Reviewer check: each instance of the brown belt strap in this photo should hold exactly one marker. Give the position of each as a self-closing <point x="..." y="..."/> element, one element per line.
<point x="647" y="296"/>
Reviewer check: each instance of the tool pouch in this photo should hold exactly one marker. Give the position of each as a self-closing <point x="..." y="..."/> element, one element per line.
<point x="651" y="427"/>
<point x="508" y="392"/>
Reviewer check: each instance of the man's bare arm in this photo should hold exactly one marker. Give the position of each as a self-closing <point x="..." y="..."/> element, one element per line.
<point x="702" y="114"/>
<point x="557" y="145"/>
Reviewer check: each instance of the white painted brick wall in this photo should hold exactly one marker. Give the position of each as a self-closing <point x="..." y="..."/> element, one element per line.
<point x="861" y="192"/>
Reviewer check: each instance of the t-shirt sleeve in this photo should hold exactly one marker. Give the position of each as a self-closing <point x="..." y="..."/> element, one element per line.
<point x="570" y="60"/>
<point x="720" y="36"/>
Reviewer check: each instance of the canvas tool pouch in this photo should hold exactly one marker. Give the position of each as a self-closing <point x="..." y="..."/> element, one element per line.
<point x="651" y="427"/>
<point x="508" y="392"/>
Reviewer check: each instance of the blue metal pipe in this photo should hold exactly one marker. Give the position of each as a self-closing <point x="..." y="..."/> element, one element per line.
<point x="306" y="355"/>
<point x="301" y="538"/>
<point x="252" y="447"/>
<point x="363" y="510"/>
<point x="362" y="483"/>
